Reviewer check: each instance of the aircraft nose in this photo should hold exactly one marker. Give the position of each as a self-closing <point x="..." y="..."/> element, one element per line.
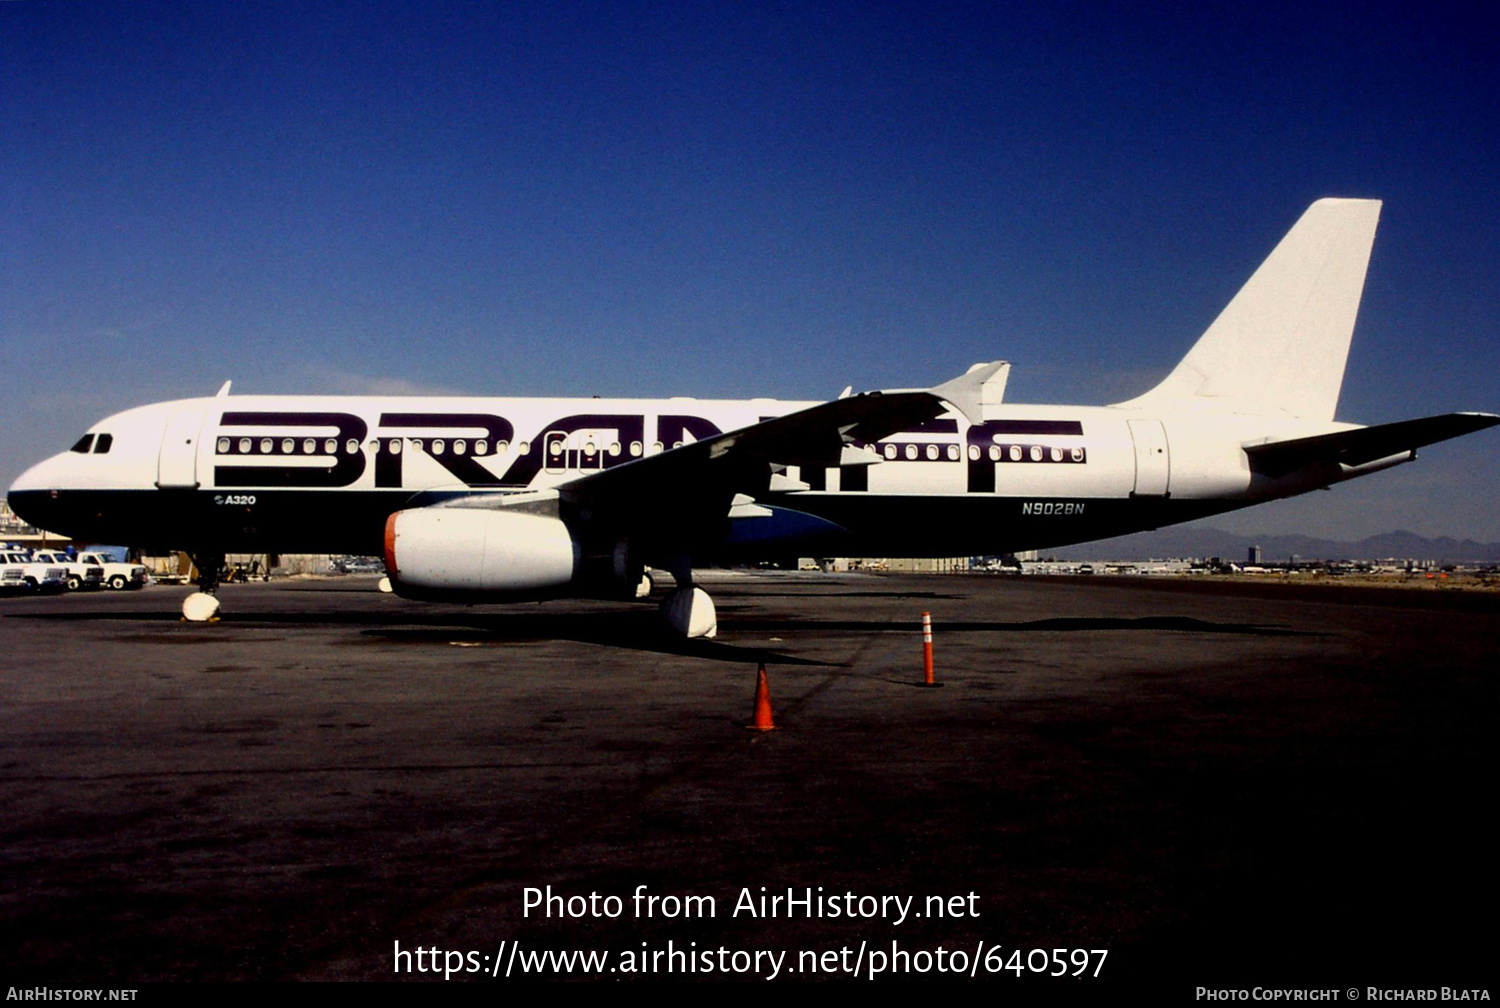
<point x="33" y="491"/>
<point x="42" y="476"/>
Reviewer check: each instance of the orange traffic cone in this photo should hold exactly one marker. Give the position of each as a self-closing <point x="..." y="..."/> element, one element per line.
<point x="762" y="703"/>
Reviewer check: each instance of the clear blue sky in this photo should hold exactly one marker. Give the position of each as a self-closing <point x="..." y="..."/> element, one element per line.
<point x="735" y="200"/>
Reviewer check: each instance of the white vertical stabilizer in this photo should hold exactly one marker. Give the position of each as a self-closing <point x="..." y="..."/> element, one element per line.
<point x="1281" y="345"/>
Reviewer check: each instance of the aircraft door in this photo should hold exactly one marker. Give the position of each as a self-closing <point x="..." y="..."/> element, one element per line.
<point x="177" y="462"/>
<point x="1153" y="465"/>
<point x="588" y="448"/>
<point x="580" y="450"/>
<point x="555" y="451"/>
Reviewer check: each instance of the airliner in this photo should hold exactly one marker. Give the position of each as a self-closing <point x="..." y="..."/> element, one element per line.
<point x="487" y="500"/>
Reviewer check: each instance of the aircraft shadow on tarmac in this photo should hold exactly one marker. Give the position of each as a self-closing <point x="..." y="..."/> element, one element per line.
<point x="637" y="630"/>
<point x="641" y="629"/>
<point x="720" y="593"/>
<point x="1062" y="624"/>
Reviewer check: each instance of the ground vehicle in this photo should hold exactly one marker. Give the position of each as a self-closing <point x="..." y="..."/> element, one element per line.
<point x="116" y="575"/>
<point x="79" y="574"/>
<point x="19" y="573"/>
<point x="356" y="565"/>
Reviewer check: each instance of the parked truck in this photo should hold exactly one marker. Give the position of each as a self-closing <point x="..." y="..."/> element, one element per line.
<point x="116" y="575"/>
<point x="19" y="573"/>
<point x="79" y="574"/>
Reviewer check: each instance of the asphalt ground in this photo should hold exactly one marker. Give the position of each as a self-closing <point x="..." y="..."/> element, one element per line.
<point x="1222" y="789"/>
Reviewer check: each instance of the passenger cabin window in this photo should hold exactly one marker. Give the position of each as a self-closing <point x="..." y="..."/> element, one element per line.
<point x="102" y="443"/>
<point x="84" y="444"/>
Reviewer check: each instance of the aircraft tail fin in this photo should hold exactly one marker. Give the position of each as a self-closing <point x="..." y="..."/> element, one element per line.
<point x="1281" y="345"/>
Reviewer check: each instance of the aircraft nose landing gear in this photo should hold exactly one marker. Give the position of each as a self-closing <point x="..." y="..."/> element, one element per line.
<point x="203" y="605"/>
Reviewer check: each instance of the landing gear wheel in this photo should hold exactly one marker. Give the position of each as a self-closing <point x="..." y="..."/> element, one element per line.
<point x="200" y="607"/>
<point x="690" y="612"/>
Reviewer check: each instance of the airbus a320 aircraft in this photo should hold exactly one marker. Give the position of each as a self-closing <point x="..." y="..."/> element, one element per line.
<point x="492" y="500"/>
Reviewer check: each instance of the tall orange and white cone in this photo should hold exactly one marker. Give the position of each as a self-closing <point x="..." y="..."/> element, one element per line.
<point x="927" y="678"/>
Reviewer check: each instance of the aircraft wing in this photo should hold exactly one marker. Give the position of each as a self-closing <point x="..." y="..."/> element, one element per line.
<point x="1363" y="444"/>
<point x="698" y="481"/>
<point x="814" y="436"/>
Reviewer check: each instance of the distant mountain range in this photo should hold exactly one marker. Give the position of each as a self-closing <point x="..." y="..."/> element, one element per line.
<point x="1210" y="542"/>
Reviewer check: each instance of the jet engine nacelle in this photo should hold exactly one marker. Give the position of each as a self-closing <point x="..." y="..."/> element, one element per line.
<point x="472" y="553"/>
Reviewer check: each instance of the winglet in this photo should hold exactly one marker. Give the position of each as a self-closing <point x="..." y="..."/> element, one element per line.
<point x="982" y="385"/>
<point x="223" y="390"/>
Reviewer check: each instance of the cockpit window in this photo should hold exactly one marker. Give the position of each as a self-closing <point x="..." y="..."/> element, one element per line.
<point x="84" y="444"/>
<point x="103" y="444"/>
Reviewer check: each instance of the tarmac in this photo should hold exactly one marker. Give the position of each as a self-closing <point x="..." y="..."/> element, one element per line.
<point x="1222" y="788"/>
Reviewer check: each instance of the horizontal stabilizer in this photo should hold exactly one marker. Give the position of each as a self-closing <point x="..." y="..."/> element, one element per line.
<point x="1363" y="444"/>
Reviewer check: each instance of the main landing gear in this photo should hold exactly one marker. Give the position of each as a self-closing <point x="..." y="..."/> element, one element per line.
<point x="687" y="609"/>
<point x="203" y="605"/>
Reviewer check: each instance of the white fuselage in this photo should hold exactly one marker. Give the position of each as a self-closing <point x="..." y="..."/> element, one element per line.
<point x="285" y="473"/>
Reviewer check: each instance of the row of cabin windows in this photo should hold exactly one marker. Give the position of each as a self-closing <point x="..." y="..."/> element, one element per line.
<point x="556" y="447"/>
<point x="437" y="446"/>
<point x="288" y="446"/>
<point x="997" y="453"/>
<point x="97" y="443"/>
<point x="913" y="452"/>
